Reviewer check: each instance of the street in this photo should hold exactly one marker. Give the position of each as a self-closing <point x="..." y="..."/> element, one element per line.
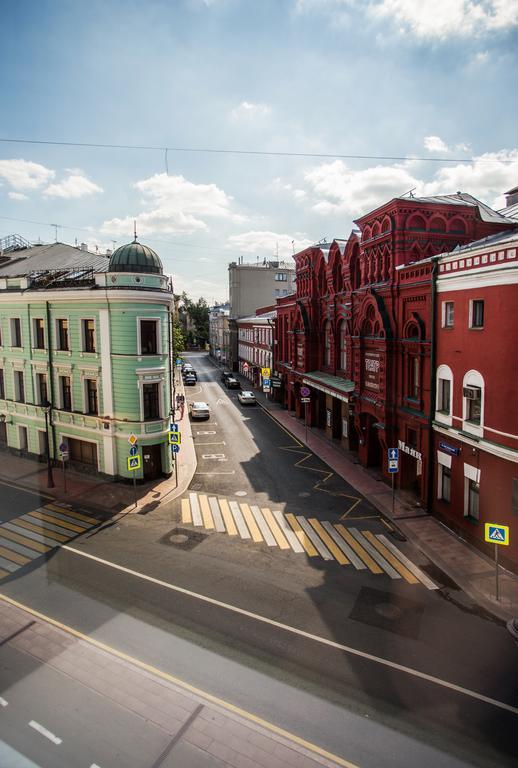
<point x="377" y="659"/>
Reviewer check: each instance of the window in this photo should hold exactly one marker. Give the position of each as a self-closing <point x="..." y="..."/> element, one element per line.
<point x="66" y="393"/>
<point x="88" y="336"/>
<point x="19" y="387"/>
<point x="91" y="396"/>
<point x="473" y="396"/>
<point x="445" y="483"/>
<point x="448" y="309"/>
<point x="151" y="401"/>
<point x="2" y="384"/>
<point x="41" y="388"/>
<point x="148" y="337"/>
<point x="343" y="346"/>
<point x="477" y="314"/>
<point x="38" y="331"/>
<point x="22" y="436"/>
<point x="16" y="332"/>
<point x="473" y="403"/>
<point x="62" y="326"/>
<point x="281" y="277"/>
<point x="444" y="396"/>
<point x="473" y="499"/>
<point x="414" y="378"/>
<point x="327" y="344"/>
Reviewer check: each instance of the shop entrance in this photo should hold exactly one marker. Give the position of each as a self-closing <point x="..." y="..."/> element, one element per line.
<point x="372" y="442"/>
<point x="152" y="455"/>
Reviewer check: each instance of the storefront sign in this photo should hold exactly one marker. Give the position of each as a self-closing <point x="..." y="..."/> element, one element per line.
<point x="449" y="449"/>
<point x="328" y="417"/>
<point x="372" y="370"/>
<point x="300" y="354"/>
<point x="409" y="450"/>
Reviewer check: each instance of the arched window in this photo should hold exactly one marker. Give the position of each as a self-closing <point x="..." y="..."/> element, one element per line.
<point x="444" y="395"/>
<point x="376" y="229"/>
<point x="327" y="344"/>
<point x="473" y="403"/>
<point x="457" y="227"/>
<point x="367" y="233"/>
<point x="337" y="276"/>
<point x="343" y="345"/>
<point x="437" y="225"/>
<point x="385" y="224"/>
<point x="354" y="268"/>
<point x="416" y="223"/>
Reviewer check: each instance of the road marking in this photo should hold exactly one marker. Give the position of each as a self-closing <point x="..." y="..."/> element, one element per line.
<point x="285" y="528"/>
<point x="375" y="554"/>
<point x="8" y="565"/>
<point x="367" y="559"/>
<point x="272" y="522"/>
<point x="233" y="472"/>
<point x="214" y="456"/>
<point x="239" y="520"/>
<point x="78" y="515"/>
<point x="317" y="543"/>
<point x="301" y="536"/>
<point x="227" y="517"/>
<point x="205" y="512"/>
<point x="46" y="523"/>
<point x="7" y="544"/>
<point x="14" y="556"/>
<point x="346" y="549"/>
<point x="195" y="509"/>
<point x="328" y="541"/>
<point x="220" y="442"/>
<point x="252" y="525"/>
<point x="186" y="511"/>
<point x="206" y="432"/>
<point x="423" y="578"/>
<point x="25" y="540"/>
<point x="240" y="493"/>
<point x="216" y="515"/>
<point x="400" y="568"/>
<point x="257" y="617"/>
<point x="44" y="732"/>
<point x="3" y="702"/>
<point x="36" y="532"/>
<point x="56" y="519"/>
<point x="263" y="527"/>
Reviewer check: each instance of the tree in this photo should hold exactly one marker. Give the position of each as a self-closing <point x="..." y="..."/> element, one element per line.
<point x="198" y="315"/>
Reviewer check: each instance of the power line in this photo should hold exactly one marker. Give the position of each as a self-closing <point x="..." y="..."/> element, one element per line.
<point x="261" y="153"/>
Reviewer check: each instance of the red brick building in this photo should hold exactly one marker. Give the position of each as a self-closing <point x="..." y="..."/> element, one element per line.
<point x="357" y="332"/>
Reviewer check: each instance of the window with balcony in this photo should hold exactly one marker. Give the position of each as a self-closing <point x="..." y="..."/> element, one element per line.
<point x="151" y="401"/>
<point x="62" y="335"/>
<point x="38" y="330"/>
<point x="88" y="336"/>
<point x="149" y="337"/>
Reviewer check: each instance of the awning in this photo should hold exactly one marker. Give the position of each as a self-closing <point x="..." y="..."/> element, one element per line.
<point x="331" y="385"/>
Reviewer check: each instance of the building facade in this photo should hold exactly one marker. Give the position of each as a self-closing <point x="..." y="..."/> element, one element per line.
<point x="476" y="422"/>
<point x="219" y="333"/>
<point x="255" y="345"/>
<point x="89" y="336"/>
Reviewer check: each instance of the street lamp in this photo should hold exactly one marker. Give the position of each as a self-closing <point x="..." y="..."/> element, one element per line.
<point x="46" y="408"/>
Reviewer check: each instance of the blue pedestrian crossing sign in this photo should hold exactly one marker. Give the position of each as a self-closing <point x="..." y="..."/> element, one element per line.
<point x="133" y="463"/>
<point x="393" y="454"/>
<point x="497" y="534"/>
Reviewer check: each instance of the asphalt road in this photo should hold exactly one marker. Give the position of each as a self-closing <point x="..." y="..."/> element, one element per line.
<point x="357" y="707"/>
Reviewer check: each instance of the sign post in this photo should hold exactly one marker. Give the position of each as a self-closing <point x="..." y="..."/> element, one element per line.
<point x="134" y="463"/>
<point x="63" y="449"/>
<point x="499" y="536"/>
<point x="305" y="398"/>
<point x="393" y="467"/>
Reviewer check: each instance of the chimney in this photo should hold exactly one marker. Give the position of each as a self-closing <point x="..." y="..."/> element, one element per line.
<point x="108" y="252"/>
<point x="511" y="197"/>
<point x="84" y="247"/>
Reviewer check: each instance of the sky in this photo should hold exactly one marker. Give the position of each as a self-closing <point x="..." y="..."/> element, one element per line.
<point x="429" y="81"/>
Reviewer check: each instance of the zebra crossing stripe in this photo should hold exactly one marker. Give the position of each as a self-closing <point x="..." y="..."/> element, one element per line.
<point x="389" y="570"/>
<point x="216" y="515"/>
<point x="80" y="524"/>
<point x="25" y="540"/>
<point x="195" y="509"/>
<point x="366" y="558"/>
<point x="263" y="527"/>
<point x="301" y="536"/>
<point x="328" y="541"/>
<point x="186" y="511"/>
<point x="400" y="568"/>
<point x="8" y="565"/>
<point x="252" y="525"/>
<point x="14" y="556"/>
<point x="205" y="512"/>
<point x="36" y="532"/>
<point x="281" y="539"/>
<point x="30" y="553"/>
<point x="72" y="513"/>
<point x="239" y="520"/>
<point x="316" y="541"/>
<point x="227" y="517"/>
<point x="285" y="528"/>
<point x="346" y="549"/>
<point x="418" y="573"/>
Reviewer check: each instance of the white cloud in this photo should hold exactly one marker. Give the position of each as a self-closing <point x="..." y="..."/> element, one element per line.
<point x="18" y="196"/>
<point x="73" y="187"/>
<point x="435" y="144"/>
<point x="268" y="243"/>
<point x="24" y="174"/>
<point x="175" y="205"/>
<point x="247" y="110"/>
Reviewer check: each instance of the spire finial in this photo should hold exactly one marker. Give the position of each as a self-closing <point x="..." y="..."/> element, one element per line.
<point x="134" y="230"/>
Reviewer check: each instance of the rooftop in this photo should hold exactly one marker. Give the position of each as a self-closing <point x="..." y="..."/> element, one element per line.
<point x="56" y="256"/>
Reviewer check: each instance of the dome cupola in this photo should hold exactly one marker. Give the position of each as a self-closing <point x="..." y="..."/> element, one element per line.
<point x="135" y="257"/>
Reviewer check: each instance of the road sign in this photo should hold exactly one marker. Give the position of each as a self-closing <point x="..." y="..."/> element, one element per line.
<point x="266" y="383"/>
<point x="133" y="463"/>
<point x="276" y="382"/>
<point x="64" y="455"/>
<point x="63" y="447"/>
<point x="393" y="465"/>
<point x="305" y="392"/>
<point x="132" y="439"/>
<point x="497" y="534"/>
<point x="245" y="366"/>
<point x="175" y="448"/>
<point x="179" y="361"/>
<point x="133" y="450"/>
<point x="393" y="454"/>
<point x="175" y="438"/>
<point x="173" y="427"/>
<point x="305" y="399"/>
<point x="265" y="373"/>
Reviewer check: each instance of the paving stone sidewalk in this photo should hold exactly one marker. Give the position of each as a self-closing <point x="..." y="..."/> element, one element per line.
<point x="204" y="733"/>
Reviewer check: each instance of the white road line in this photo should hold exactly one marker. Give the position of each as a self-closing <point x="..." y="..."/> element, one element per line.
<point x="233" y="472"/>
<point x="94" y="765"/>
<point x="373" y="552"/>
<point x="287" y="531"/>
<point x="44" y="732"/>
<point x="3" y="702"/>
<point x="221" y="442"/>
<point x="344" y="546"/>
<point x="263" y="526"/>
<point x="314" y="538"/>
<point x="418" y="573"/>
<point x="239" y="520"/>
<point x="195" y="509"/>
<point x="301" y="633"/>
<point x="216" y="514"/>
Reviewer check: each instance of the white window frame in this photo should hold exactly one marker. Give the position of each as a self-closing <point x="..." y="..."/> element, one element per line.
<point x="444" y="314"/>
<point x="158" y="327"/>
<point x="444" y="372"/>
<point x="11" y="333"/>
<point x="471" y="307"/>
<point x="56" y="332"/>
<point x="35" y="375"/>
<point x="473" y="379"/>
<point x="470" y="473"/>
<point x="82" y="335"/>
<point x="443" y="460"/>
<point x="34" y="334"/>
<point x="16" y="387"/>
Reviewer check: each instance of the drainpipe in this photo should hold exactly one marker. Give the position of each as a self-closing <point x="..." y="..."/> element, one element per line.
<point x="51" y="378"/>
<point x="433" y="387"/>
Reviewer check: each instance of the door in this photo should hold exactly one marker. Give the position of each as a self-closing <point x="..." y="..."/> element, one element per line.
<point x="152" y="455"/>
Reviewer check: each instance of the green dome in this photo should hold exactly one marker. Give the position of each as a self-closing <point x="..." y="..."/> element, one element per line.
<point x="135" y="257"/>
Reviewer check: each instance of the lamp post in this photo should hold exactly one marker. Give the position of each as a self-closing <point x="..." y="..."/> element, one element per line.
<point x="46" y="408"/>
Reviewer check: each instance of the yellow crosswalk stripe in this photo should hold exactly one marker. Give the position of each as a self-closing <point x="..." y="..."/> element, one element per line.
<point x="367" y="559"/>
<point x="208" y="522"/>
<point x="250" y="521"/>
<point x="274" y="527"/>
<point x="328" y="541"/>
<point x="15" y="557"/>
<point x="41" y="530"/>
<point x="301" y="535"/>
<point x="186" y="511"/>
<point x="395" y="563"/>
<point x="227" y="517"/>
<point x="72" y="513"/>
<point x="7" y="534"/>
<point x="49" y="518"/>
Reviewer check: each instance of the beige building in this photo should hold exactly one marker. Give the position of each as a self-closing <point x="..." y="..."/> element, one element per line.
<point x="219" y="339"/>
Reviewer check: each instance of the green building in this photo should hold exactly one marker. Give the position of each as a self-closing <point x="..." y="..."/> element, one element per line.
<point x="88" y="336"/>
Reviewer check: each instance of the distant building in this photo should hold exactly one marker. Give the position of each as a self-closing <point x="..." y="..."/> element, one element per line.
<point x="255" y="345"/>
<point x="88" y="336"/>
<point x="219" y="334"/>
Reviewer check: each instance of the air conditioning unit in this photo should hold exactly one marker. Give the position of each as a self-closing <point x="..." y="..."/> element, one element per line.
<point x="471" y="393"/>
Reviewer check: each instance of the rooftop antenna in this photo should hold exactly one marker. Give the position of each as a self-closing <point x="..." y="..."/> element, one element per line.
<point x="409" y="192"/>
<point x="55" y="232"/>
<point x="134" y="230"/>
<point x="293" y="246"/>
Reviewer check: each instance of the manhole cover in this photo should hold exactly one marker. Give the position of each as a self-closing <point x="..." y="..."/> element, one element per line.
<point x="183" y="538"/>
<point x="178" y="538"/>
<point x="240" y="493"/>
<point x="388" y="611"/>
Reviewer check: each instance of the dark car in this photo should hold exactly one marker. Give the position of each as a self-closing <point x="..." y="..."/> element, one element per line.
<point x="224" y="376"/>
<point x="190" y="372"/>
<point x="232" y="383"/>
<point x="189" y="379"/>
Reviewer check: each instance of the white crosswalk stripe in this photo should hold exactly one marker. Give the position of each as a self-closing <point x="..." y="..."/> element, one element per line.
<point x="216" y="514"/>
<point x="239" y="520"/>
<point x="263" y="526"/>
<point x="373" y="552"/>
<point x="418" y="573"/>
<point x="195" y="509"/>
<point x="287" y="531"/>
<point x="314" y="538"/>
<point x="344" y="546"/>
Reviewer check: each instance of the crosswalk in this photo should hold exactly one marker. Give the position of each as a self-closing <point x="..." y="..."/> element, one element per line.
<point x="37" y="533"/>
<point x="333" y="542"/>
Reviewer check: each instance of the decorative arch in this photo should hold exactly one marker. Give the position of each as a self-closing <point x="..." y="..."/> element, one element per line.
<point x="473" y="409"/>
<point x="444" y="395"/>
<point x="367" y="233"/>
<point x="416" y="222"/>
<point x="322" y="279"/>
<point x="342" y="345"/>
<point x="457" y="226"/>
<point x="386" y="224"/>
<point x="376" y="229"/>
<point x="438" y="224"/>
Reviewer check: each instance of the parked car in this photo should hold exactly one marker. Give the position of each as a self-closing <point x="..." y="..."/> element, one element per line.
<point x="185" y="366"/>
<point x="224" y="376"/>
<point x="189" y="372"/>
<point x="189" y="379"/>
<point x="246" y="397"/>
<point x="232" y="383"/>
<point x="199" y="410"/>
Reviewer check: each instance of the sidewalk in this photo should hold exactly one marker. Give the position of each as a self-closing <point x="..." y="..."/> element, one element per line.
<point x="467" y="567"/>
<point x="202" y="729"/>
<point x="101" y="495"/>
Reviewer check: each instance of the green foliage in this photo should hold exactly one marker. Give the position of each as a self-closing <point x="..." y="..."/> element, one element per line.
<point x="178" y="338"/>
<point x="198" y="313"/>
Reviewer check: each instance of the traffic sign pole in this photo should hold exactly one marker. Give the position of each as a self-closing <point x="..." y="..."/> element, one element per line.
<point x="497" y="595"/>
<point x="306" y="420"/>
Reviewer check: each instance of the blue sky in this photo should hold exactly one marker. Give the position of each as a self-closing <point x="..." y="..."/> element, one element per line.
<point x="435" y="78"/>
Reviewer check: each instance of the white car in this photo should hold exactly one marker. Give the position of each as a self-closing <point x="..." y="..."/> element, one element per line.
<point x="246" y="397"/>
<point x="199" y="410"/>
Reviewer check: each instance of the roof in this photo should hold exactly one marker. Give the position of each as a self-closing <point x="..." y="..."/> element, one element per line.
<point x="462" y="198"/>
<point x="321" y="380"/>
<point x="511" y="211"/>
<point x="135" y="257"/>
<point x="257" y="318"/>
<point x="56" y="256"/>
<point x="490" y="240"/>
